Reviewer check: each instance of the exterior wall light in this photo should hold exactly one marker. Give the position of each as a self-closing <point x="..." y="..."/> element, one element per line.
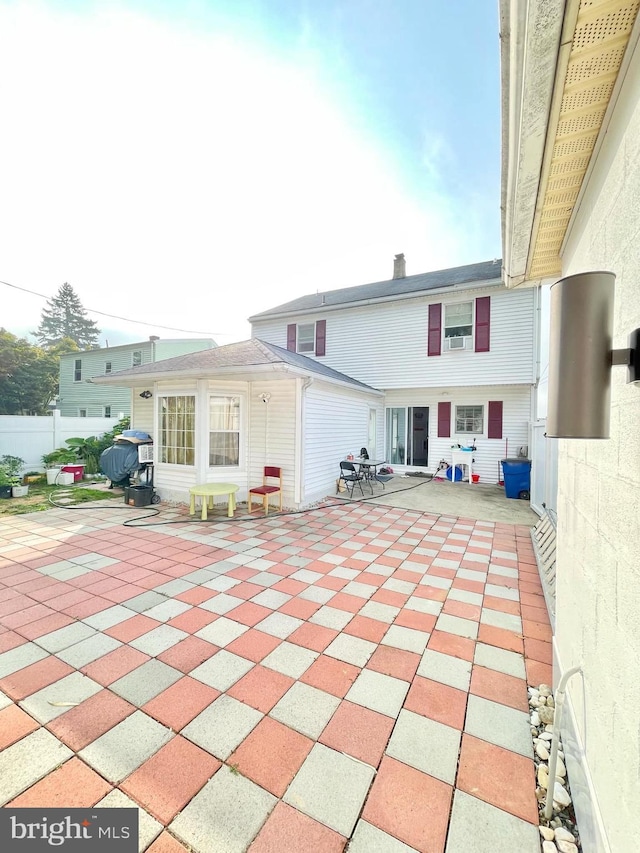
<point x="581" y="356"/>
<point x="146" y="395"/>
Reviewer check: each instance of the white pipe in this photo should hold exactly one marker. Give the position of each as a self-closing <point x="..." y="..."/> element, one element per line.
<point x="553" y="759"/>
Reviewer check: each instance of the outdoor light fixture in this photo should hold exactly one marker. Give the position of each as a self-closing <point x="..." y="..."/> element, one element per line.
<point x="581" y="356"/>
<point x="146" y="395"/>
<point x="264" y="397"/>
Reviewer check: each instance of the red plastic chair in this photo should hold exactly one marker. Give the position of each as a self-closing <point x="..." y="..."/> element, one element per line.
<point x="265" y="490"/>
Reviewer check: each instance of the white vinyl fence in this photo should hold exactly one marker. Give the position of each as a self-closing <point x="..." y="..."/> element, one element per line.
<point x="544" y="470"/>
<point x="31" y="436"/>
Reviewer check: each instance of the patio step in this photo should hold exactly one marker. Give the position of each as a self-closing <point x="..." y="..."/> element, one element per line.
<point x="544" y="546"/>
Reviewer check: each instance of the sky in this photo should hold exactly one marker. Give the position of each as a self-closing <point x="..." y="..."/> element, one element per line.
<point x="189" y="163"/>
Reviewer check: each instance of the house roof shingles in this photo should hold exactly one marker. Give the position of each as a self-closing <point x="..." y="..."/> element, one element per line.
<point x="245" y="354"/>
<point x="469" y="274"/>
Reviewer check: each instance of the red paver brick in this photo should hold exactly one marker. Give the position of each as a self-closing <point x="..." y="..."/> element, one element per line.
<point x="91" y="719"/>
<point x="26" y="616"/>
<point x="333" y="676"/>
<point x="451" y="644"/>
<point x="271" y="755"/>
<point x="132" y="628"/>
<point x="74" y="785"/>
<point x="289" y="586"/>
<point x="289" y="831"/>
<point x="114" y="665"/>
<point x="501" y="638"/>
<point x="179" y="704"/>
<point x="349" y="603"/>
<point x="537" y="630"/>
<point x="254" y="645"/>
<point x="538" y="673"/>
<point x="499" y="687"/>
<point x="389" y="596"/>
<point x="166" y="843"/>
<point x="169" y="779"/>
<point x="366" y="628"/>
<point x="395" y="662"/>
<point x="434" y="593"/>
<point x="249" y="613"/>
<point x="331" y="582"/>
<point x="32" y="678"/>
<point x="242" y="573"/>
<point x="469" y="586"/>
<point x="437" y="701"/>
<point x="409" y="805"/>
<point x="462" y="609"/>
<point x="538" y="650"/>
<point x="534" y="614"/>
<point x="414" y="619"/>
<point x="315" y="637"/>
<point x="246" y="590"/>
<point x="188" y="654"/>
<point x="10" y="640"/>
<point x="193" y="620"/>
<point x="44" y="626"/>
<point x="300" y="608"/>
<point x="509" y="786"/>
<point x="195" y="596"/>
<point x="504" y="605"/>
<point x="261" y="688"/>
<point x="359" y="732"/>
<point x="14" y="725"/>
<point x="88" y="607"/>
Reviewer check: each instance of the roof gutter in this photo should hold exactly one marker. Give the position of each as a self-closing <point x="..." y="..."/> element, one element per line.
<point x="132" y="381"/>
<point x="297" y="371"/>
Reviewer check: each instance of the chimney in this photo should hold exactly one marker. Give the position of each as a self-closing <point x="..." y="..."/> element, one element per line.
<point x="399" y="267"/>
<point x="154" y="338"/>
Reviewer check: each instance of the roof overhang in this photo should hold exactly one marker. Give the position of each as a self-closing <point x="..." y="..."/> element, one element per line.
<point x="561" y="67"/>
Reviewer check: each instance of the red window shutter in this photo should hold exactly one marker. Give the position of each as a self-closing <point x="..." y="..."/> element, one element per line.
<point x="291" y="337"/>
<point x="483" y="323"/>
<point x="444" y="420"/>
<point x="321" y="336"/>
<point x="435" y="324"/>
<point x="494" y="427"/>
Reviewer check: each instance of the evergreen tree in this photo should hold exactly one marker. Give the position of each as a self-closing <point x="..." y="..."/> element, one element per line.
<point x="64" y="317"/>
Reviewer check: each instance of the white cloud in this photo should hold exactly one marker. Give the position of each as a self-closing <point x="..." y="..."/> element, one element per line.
<point x="189" y="180"/>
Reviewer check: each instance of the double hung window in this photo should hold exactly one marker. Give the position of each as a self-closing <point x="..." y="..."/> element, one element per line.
<point x="224" y="431"/>
<point x="177" y="421"/>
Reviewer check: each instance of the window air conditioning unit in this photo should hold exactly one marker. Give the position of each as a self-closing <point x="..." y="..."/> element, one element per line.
<point x="145" y="453"/>
<point x="456" y="343"/>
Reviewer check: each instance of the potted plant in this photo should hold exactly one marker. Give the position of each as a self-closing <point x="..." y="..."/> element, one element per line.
<point x="5" y="483"/>
<point x="12" y="465"/>
<point x="54" y="461"/>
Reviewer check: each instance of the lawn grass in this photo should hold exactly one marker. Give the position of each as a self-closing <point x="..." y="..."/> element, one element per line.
<point x="38" y="498"/>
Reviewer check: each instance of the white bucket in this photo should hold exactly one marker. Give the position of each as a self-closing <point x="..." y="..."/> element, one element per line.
<point x="52" y="474"/>
<point x="65" y="478"/>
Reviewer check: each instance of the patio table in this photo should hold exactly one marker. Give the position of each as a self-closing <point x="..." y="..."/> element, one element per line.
<point x="366" y="466"/>
<point x="207" y="491"/>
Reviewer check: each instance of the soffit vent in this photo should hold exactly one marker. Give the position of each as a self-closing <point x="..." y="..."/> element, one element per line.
<point x="598" y="45"/>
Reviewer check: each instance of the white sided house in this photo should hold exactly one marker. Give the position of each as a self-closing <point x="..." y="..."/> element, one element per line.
<point x="77" y="397"/>
<point x="221" y="415"/>
<point x="454" y="352"/>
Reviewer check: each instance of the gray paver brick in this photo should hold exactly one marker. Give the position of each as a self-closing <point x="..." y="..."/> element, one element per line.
<point x="158" y="640"/>
<point x="145" y="682"/>
<point x="221" y="603"/>
<point x="330" y="787"/>
<point x="145" y="601"/>
<point x="483" y="828"/>
<point x="271" y="598"/>
<point x="466" y="596"/>
<point x="122" y="749"/>
<point x="457" y="625"/>
<point x="265" y="579"/>
<point x="4" y="701"/>
<point x="350" y="649"/>
<point x="437" y="581"/>
<point x="290" y="659"/>
<point x="222" y="726"/>
<point x="502" y="592"/>
<point x="148" y="827"/>
<point x="27" y="761"/>
<point x="503" y="571"/>
<point x="64" y="637"/>
<point x="501" y="660"/>
<point x="200" y="576"/>
<point x="317" y="593"/>
<point x="499" y="724"/>
<point x="109" y="617"/>
<point x="399" y="586"/>
<point x="360" y="590"/>
<point x="279" y="625"/>
<point x="369" y="839"/>
<point x="426" y="744"/>
<point x="88" y="650"/>
<point x="167" y="610"/>
<point x="409" y="639"/>
<point x="381" y="612"/>
<point x="222" y="670"/>
<point x="423" y="605"/>
<point x="446" y="669"/>
<point x="174" y="587"/>
<point x="73" y="688"/>
<point x="498" y="619"/>
<point x="331" y="617"/>
<point x="379" y="692"/>
<point x="222" y="632"/>
<point x="18" y="658"/>
<point x="305" y="709"/>
<point x="226" y="815"/>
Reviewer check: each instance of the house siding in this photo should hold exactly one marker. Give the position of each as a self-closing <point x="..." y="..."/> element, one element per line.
<point x="336" y="423"/>
<point x="515" y="423"/>
<point x="273" y="427"/>
<point x="385" y="344"/>
<point x="598" y="558"/>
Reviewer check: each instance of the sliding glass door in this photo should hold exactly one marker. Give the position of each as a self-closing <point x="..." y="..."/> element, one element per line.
<point x="407" y="436"/>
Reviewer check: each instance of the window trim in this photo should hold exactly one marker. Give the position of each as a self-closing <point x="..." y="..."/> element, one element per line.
<point x="466" y="433"/>
<point x="77" y="371"/>
<point x="180" y="466"/>
<point x="108" y="367"/>
<point x="136" y="352"/>
<point x="241" y="422"/>
<point x="82" y="413"/>
<point x="311" y="351"/>
<point x="447" y="305"/>
<point x="107" y="411"/>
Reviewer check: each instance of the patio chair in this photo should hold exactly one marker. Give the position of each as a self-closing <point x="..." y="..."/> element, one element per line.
<point x="350" y="476"/>
<point x="267" y="489"/>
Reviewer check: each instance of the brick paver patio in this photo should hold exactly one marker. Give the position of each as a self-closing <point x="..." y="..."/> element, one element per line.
<point x="354" y="677"/>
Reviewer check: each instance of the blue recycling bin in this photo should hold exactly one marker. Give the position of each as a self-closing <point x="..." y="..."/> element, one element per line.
<point x="517" y="478"/>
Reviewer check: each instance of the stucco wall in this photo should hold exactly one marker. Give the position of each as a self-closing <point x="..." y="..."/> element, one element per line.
<point x="598" y="578"/>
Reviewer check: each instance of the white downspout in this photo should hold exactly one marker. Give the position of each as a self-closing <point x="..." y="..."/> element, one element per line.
<point x="553" y="759"/>
<point x="302" y="384"/>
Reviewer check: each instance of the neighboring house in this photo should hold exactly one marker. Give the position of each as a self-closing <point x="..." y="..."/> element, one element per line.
<point x="571" y="191"/>
<point x="406" y="367"/>
<point x="454" y="352"/>
<point x="78" y="398"/>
